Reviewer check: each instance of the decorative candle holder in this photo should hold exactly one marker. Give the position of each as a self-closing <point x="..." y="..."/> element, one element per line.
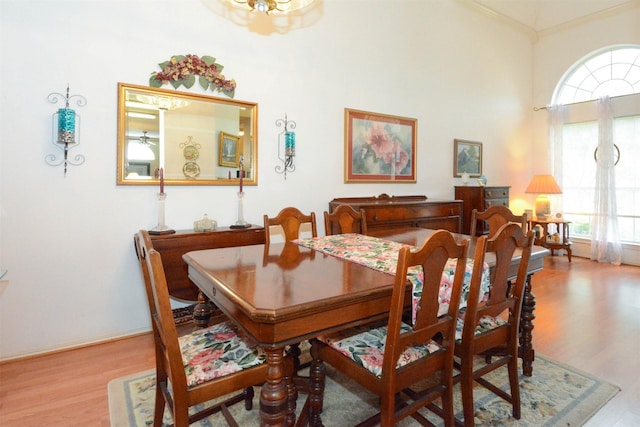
<point x="66" y="130"/>
<point x="240" y="223"/>
<point x="286" y="146"/>
<point x="161" y="228"/>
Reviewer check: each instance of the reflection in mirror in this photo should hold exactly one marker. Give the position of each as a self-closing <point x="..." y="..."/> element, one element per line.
<point x="196" y="139"/>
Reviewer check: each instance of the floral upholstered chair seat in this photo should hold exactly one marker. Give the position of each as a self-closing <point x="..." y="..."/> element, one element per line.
<point x="365" y="345"/>
<point x="485" y="324"/>
<point x="217" y="351"/>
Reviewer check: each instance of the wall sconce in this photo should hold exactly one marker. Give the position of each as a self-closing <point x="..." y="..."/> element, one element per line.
<point x="286" y="145"/>
<point x="66" y="130"/>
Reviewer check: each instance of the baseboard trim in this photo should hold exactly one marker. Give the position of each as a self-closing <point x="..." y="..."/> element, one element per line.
<point x="76" y="346"/>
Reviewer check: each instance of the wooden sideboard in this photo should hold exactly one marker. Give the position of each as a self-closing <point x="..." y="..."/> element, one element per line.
<point x="173" y="246"/>
<point x="480" y="198"/>
<point x="386" y="212"/>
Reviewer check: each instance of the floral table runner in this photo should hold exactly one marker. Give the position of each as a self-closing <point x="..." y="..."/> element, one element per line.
<point x="382" y="255"/>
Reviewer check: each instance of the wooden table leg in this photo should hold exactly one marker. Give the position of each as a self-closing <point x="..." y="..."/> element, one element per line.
<point x="317" y="376"/>
<point x="274" y="403"/>
<point x="527" y="353"/>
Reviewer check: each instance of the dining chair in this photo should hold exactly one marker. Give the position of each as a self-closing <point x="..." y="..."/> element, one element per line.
<point x="496" y="217"/>
<point x="487" y="332"/>
<point x="290" y="219"/>
<point x="202" y="364"/>
<point x="345" y="219"/>
<point x="389" y="356"/>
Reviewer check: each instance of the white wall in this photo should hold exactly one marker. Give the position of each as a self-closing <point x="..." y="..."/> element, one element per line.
<point x="67" y="242"/>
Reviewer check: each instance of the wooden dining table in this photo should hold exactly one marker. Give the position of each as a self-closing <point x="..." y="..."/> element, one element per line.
<point x="285" y="293"/>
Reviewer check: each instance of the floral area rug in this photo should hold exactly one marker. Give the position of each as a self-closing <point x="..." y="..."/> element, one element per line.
<point x="556" y="395"/>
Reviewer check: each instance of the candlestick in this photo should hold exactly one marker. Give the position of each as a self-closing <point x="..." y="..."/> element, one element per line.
<point x="241" y="171"/>
<point x="240" y="223"/>
<point x="161" y="180"/>
<point x="161" y="228"/>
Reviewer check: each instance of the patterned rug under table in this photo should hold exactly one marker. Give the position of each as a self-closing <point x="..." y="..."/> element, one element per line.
<point x="556" y="395"/>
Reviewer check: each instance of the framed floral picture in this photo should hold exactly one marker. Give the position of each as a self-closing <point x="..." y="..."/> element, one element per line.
<point x="467" y="158"/>
<point x="379" y="147"/>
<point x="229" y="151"/>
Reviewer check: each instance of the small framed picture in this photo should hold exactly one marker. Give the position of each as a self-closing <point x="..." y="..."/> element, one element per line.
<point x="229" y="152"/>
<point x="467" y="158"/>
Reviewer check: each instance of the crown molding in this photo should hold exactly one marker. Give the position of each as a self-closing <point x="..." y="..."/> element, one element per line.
<point x="536" y="35"/>
<point x="477" y="7"/>
<point x="624" y="7"/>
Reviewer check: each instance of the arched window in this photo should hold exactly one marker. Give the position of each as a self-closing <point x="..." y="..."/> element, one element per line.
<point x="613" y="71"/>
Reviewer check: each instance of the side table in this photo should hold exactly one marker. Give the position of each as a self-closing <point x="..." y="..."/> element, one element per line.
<point x="556" y="239"/>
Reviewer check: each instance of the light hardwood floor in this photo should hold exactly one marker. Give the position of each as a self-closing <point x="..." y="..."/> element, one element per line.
<point x="588" y="315"/>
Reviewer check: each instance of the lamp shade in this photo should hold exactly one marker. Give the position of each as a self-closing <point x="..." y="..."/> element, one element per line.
<point x="543" y="184"/>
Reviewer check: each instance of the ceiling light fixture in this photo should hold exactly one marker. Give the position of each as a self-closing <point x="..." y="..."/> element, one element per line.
<point x="271" y="6"/>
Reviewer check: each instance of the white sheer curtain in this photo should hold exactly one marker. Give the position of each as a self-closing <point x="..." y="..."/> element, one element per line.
<point x="605" y="237"/>
<point x="556" y="122"/>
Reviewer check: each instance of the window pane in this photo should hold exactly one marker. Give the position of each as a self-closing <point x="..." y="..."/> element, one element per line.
<point x="579" y="171"/>
<point x="578" y="76"/>
<point x="634" y="75"/>
<point x="599" y="61"/>
<point x="627" y="55"/>
<point x="620" y="71"/>
<point x="579" y="142"/>
<point x="602" y="74"/>
<point x="580" y="225"/>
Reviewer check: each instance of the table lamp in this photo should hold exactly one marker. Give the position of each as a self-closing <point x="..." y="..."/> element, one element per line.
<point x="542" y="185"/>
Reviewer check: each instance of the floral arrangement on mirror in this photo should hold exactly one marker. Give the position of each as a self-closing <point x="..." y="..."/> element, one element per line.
<point x="183" y="69"/>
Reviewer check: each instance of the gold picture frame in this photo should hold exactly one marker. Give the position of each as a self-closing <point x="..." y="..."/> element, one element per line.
<point x="229" y="151"/>
<point x="379" y="147"/>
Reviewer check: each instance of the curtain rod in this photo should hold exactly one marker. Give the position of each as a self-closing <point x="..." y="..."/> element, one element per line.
<point x="584" y="102"/>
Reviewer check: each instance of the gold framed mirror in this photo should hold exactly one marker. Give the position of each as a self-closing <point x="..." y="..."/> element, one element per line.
<point x="185" y="134"/>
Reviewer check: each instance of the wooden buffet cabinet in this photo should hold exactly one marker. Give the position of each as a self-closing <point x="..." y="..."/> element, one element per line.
<point x="173" y="246"/>
<point x="386" y="212"/>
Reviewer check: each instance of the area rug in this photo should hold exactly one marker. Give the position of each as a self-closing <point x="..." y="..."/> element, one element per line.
<point x="556" y="395"/>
